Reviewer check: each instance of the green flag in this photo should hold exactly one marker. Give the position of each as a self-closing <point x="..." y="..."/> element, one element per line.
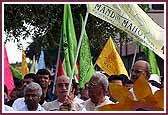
<point x="69" y="40"/>
<point x="15" y="72"/>
<point x="152" y="61"/>
<point x="86" y="68"/>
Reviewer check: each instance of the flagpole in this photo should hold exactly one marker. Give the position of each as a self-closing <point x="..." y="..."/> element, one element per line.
<point x="58" y="57"/>
<point x="133" y="59"/>
<point x="77" y="52"/>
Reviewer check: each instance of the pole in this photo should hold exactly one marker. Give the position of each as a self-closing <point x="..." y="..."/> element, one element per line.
<point x="77" y="52"/>
<point x="133" y="59"/>
<point x="58" y="57"/>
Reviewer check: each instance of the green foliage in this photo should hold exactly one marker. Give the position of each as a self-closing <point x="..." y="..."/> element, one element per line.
<point x="144" y="7"/>
<point x="46" y="20"/>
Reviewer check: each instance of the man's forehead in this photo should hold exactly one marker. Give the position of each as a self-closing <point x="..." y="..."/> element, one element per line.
<point x="43" y="75"/>
<point x="140" y="64"/>
<point x="32" y="90"/>
<point x="94" y="79"/>
<point x="63" y="80"/>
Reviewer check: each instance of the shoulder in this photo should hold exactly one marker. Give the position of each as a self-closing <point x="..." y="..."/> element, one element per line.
<point x="77" y="105"/>
<point x="8" y="108"/>
<point x="87" y="102"/>
<point x="40" y="108"/>
<point x="22" y="108"/>
<point x="153" y="88"/>
<point x="108" y="101"/>
<point x="51" y="106"/>
<point x="18" y="103"/>
<point x="78" y="100"/>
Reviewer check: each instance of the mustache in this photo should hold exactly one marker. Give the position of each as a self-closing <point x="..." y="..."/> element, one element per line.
<point x="64" y="91"/>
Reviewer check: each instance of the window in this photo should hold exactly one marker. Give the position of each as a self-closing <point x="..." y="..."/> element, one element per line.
<point x="156" y="7"/>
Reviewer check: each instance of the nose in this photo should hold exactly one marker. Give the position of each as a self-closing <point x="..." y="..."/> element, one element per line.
<point x="42" y="79"/>
<point x="30" y="97"/>
<point x="24" y="84"/>
<point x="64" y="86"/>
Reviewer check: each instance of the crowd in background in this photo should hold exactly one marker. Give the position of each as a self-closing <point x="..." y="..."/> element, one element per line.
<point x="34" y="92"/>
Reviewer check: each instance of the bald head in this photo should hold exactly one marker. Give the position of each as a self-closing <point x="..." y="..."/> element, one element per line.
<point x="140" y="67"/>
<point x="143" y="65"/>
<point x="62" y="79"/>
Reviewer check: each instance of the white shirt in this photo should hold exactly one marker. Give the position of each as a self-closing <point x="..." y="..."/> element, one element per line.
<point x="76" y="99"/>
<point x="153" y="88"/>
<point x="90" y="106"/>
<point x="55" y="106"/>
<point x="18" y="103"/>
<point x="24" y="108"/>
<point x="8" y="108"/>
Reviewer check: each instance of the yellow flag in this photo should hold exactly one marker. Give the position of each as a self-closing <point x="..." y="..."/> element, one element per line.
<point x="25" y="69"/>
<point x="110" y="61"/>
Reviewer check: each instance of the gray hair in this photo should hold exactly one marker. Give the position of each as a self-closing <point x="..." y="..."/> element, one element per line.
<point x="33" y="86"/>
<point x="102" y="79"/>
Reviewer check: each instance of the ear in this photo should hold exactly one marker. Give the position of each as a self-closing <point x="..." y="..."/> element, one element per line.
<point x="148" y="75"/>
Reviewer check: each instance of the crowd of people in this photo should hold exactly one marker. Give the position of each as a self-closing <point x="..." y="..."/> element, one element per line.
<point x="35" y="91"/>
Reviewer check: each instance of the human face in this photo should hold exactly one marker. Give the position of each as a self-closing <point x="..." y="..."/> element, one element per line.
<point x="128" y="86"/>
<point x="118" y="82"/>
<point x="27" y="81"/>
<point x="62" y="87"/>
<point x="44" y="81"/>
<point x="32" y="99"/>
<point x="138" y="69"/>
<point x="96" y="91"/>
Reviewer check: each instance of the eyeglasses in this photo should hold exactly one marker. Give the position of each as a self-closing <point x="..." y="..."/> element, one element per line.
<point x="91" y="84"/>
<point x="137" y="71"/>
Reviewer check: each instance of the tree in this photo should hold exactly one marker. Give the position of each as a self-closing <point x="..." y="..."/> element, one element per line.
<point x="46" y="20"/>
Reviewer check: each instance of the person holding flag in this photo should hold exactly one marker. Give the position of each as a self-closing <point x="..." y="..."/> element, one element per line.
<point x="63" y="102"/>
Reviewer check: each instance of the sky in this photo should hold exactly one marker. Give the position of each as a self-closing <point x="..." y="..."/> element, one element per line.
<point x="14" y="54"/>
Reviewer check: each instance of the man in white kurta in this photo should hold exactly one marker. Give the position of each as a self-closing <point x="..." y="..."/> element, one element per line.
<point x="98" y="86"/>
<point x="90" y="106"/>
<point x="56" y="106"/>
<point x="64" y="102"/>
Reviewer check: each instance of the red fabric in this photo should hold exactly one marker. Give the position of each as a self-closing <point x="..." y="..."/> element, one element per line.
<point x="8" y="78"/>
<point x="78" y="74"/>
<point x="60" y="69"/>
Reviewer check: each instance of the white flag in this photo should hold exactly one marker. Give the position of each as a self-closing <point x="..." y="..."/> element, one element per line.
<point x="133" y="20"/>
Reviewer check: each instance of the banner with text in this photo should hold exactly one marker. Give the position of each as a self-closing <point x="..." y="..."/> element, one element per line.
<point x="134" y="21"/>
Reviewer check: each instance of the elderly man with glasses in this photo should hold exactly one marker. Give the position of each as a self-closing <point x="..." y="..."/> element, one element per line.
<point x="97" y="87"/>
<point x="141" y="67"/>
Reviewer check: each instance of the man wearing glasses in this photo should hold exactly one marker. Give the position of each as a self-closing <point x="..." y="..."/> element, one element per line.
<point x="141" y="67"/>
<point x="97" y="87"/>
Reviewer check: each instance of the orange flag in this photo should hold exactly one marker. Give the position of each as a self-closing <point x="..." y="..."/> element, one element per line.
<point x="110" y="61"/>
<point x="25" y="69"/>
